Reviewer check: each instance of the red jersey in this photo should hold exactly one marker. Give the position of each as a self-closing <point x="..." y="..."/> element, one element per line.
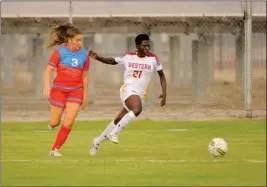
<point x="70" y="66"/>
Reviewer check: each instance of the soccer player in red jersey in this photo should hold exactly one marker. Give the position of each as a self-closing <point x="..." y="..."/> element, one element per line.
<point x="69" y="91"/>
<point x="139" y="68"/>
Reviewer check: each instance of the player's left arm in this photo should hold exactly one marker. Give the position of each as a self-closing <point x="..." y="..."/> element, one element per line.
<point x="163" y="82"/>
<point x="85" y="82"/>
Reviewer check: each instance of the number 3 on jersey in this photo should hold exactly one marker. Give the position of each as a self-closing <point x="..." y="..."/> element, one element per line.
<point x="137" y="74"/>
<point x="74" y="62"/>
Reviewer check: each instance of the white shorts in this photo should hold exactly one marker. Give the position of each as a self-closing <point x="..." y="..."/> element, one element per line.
<point x="126" y="92"/>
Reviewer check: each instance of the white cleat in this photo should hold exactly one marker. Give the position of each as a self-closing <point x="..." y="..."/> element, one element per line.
<point x="113" y="138"/>
<point x="95" y="147"/>
<point x="55" y="153"/>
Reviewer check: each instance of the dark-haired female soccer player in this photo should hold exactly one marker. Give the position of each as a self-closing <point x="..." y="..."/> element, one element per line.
<point x="139" y="68"/>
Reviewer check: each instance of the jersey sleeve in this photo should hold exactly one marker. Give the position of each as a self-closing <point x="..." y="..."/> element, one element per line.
<point x="158" y="65"/>
<point x="54" y="59"/>
<point x="86" y="64"/>
<point x="121" y="59"/>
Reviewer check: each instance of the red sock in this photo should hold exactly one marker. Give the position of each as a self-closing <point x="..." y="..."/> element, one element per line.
<point x="61" y="137"/>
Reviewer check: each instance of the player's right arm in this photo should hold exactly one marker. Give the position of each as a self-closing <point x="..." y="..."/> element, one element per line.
<point x="110" y="61"/>
<point x="53" y="62"/>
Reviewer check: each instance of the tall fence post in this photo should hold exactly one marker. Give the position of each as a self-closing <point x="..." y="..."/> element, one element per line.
<point x="70" y="11"/>
<point x="247" y="57"/>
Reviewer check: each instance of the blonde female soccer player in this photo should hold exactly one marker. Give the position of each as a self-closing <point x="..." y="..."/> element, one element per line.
<point x="69" y="91"/>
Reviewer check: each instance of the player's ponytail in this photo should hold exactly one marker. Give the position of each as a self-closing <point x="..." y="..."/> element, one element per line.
<point x="60" y="34"/>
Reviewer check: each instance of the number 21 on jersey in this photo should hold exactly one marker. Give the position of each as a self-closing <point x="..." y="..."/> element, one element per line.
<point x="137" y="74"/>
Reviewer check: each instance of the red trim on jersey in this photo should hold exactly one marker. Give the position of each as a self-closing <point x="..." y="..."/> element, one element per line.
<point x="153" y="55"/>
<point x="149" y="55"/>
<point x="130" y="53"/>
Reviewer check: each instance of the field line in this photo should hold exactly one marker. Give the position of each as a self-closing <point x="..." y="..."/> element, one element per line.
<point x="132" y="130"/>
<point x="56" y="160"/>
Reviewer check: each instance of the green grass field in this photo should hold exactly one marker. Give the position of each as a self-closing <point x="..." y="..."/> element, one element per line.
<point x="148" y="155"/>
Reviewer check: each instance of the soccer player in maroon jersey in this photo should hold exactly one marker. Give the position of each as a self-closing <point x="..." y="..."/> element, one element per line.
<point x="69" y="91"/>
<point x="139" y="68"/>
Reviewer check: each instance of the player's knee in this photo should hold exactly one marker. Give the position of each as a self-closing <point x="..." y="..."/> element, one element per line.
<point x="54" y="124"/>
<point x="137" y="111"/>
<point x="68" y="122"/>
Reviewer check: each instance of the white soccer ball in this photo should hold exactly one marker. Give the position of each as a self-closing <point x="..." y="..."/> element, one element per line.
<point x="218" y="147"/>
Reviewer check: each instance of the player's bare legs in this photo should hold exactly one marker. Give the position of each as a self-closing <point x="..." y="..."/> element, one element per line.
<point x="72" y="110"/>
<point x="134" y="103"/>
<point x="55" y="116"/>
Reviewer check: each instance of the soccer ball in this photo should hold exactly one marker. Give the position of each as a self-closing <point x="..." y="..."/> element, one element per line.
<point x="217" y="147"/>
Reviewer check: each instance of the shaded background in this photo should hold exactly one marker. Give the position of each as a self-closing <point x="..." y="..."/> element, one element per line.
<point x="201" y="46"/>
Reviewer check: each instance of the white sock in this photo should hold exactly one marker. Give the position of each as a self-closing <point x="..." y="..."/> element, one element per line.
<point x="123" y="123"/>
<point x="104" y="134"/>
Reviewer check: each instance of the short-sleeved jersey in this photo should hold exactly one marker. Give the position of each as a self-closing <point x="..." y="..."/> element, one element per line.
<point x="139" y="71"/>
<point x="70" y="66"/>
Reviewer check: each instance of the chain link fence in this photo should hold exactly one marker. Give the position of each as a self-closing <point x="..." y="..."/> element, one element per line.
<point x="201" y="46"/>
